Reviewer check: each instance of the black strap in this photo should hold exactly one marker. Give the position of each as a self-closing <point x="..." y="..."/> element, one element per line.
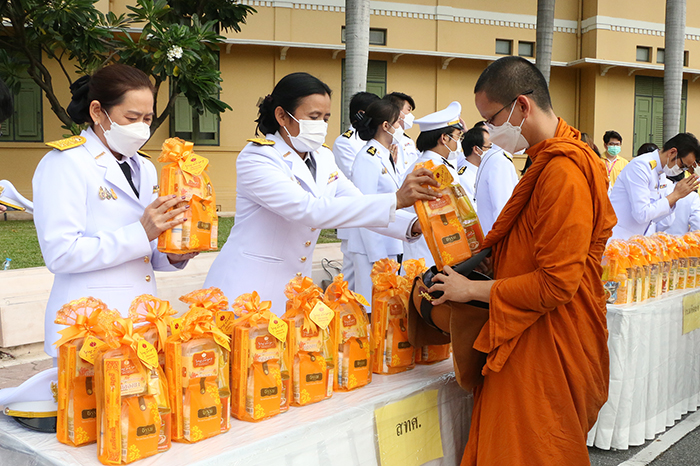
<point x="126" y="169"/>
<point x="444" y="161"/>
<point x="426" y="311"/>
<point x="393" y="164"/>
<point x="311" y="163"/>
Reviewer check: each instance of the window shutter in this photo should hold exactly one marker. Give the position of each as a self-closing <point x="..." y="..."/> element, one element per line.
<point x="28" y="127"/>
<point x="182" y="113"/>
<point x="207" y="122"/>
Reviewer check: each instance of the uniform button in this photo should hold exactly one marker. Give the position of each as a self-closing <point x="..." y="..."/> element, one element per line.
<point x="148" y="278"/>
<point x="146" y="259"/>
<point x="302" y="258"/>
<point x="307" y="244"/>
<point x="313" y="229"/>
<point x="298" y="274"/>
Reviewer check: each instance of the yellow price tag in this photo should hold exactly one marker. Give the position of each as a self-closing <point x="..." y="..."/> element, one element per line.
<point x="176" y="326"/>
<point x="321" y="315"/>
<point x="278" y="328"/>
<point x="225" y="320"/>
<point x="147" y="353"/>
<point x="194" y="164"/>
<point x="91" y="346"/>
<point x="361" y="299"/>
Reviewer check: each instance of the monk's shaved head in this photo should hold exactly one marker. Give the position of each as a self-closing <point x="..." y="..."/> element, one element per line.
<point x="507" y="78"/>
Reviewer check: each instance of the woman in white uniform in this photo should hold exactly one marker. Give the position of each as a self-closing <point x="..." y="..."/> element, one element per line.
<point x="289" y="187"/>
<point x="374" y="172"/>
<point x="96" y="208"/>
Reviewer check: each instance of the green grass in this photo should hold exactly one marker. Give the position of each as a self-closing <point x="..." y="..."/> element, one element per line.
<point x="18" y="241"/>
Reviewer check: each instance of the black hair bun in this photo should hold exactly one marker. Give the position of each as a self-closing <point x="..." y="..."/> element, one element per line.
<point x="79" y="107"/>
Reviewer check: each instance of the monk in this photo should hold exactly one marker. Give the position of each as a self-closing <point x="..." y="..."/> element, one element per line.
<point x="546" y="375"/>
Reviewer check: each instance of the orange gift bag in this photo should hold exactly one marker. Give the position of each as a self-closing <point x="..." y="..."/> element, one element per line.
<point x="77" y="348"/>
<point x="390" y="350"/>
<point x="196" y="363"/>
<point x="128" y="393"/>
<point x="309" y="342"/>
<point x="185" y="176"/>
<point x="350" y="329"/>
<point x="260" y="384"/>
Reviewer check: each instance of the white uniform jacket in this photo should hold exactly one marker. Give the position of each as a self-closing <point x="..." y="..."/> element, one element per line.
<point x="406" y="155"/>
<point x="345" y="148"/>
<point x="638" y="199"/>
<point x="279" y="212"/>
<point x="419" y="249"/>
<point x="495" y="180"/>
<point x="373" y="173"/>
<point x="686" y="216"/>
<point x="467" y="178"/>
<point x="87" y="220"/>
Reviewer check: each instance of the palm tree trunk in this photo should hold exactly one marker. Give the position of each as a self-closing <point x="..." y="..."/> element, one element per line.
<point x="673" y="66"/>
<point x="356" y="49"/>
<point x="545" y="34"/>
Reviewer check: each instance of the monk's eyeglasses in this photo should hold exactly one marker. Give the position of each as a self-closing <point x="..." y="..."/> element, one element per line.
<point x="490" y="120"/>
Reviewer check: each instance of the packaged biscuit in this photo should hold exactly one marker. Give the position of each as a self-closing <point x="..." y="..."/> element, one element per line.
<point x="429" y="354"/>
<point x="258" y="360"/>
<point x="391" y="351"/>
<point x="129" y="395"/>
<point x="350" y="329"/>
<point x="450" y="225"/>
<point x="310" y="343"/>
<point x="197" y="359"/>
<point x="77" y="347"/>
<point x="185" y="176"/>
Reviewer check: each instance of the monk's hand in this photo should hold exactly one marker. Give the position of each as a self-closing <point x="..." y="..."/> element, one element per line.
<point x="156" y="218"/>
<point x="416" y="187"/>
<point x="177" y="258"/>
<point x="455" y="287"/>
<point x="485" y="266"/>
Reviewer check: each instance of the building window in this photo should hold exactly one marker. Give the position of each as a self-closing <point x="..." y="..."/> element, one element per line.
<point x="504" y="47"/>
<point x="686" y="58"/>
<point x="376" y="84"/>
<point x="526" y="49"/>
<point x="376" y="36"/>
<point x="644" y="54"/>
<point x="649" y="110"/>
<point x="660" y="55"/>
<point x="26" y="122"/>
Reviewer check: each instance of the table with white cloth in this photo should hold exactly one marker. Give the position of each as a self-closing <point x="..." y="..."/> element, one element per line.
<point x="654" y="372"/>
<point x="338" y="431"/>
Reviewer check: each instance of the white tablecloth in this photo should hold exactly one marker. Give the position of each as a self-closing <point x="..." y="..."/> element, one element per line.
<point x="654" y="372"/>
<point x="335" y="432"/>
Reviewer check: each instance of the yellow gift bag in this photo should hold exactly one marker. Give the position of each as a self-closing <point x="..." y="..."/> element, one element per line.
<point x="257" y="389"/>
<point x="350" y="329"/>
<point x="196" y="365"/>
<point x="77" y="348"/>
<point x="185" y="175"/>
<point x="128" y="393"/>
<point x="391" y="351"/>
<point x="309" y="344"/>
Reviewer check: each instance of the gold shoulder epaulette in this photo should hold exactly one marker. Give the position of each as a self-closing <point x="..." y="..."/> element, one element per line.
<point x="461" y="170"/>
<point x="67" y="143"/>
<point x="143" y="154"/>
<point x="372" y="150"/>
<point x="262" y="141"/>
<point x="326" y="146"/>
<point x="508" y="156"/>
<point x="347" y="134"/>
<point x="652" y="164"/>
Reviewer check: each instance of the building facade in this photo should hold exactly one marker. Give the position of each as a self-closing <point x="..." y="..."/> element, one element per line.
<point x="607" y="71"/>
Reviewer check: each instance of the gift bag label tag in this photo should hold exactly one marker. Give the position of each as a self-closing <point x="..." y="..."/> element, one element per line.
<point x="90" y="348"/>
<point x="225" y="320"/>
<point x="443" y="176"/>
<point x="147" y="353"/>
<point x="360" y="299"/>
<point x="278" y="328"/>
<point x="194" y="164"/>
<point x="321" y="315"/>
<point x="176" y="326"/>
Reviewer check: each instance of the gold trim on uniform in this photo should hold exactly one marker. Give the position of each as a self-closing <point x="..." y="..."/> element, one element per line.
<point x="347" y="134"/>
<point x="652" y="164"/>
<point x="28" y="414"/>
<point x="333" y="177"/>
<point x="262" y="141"/>
<point x="156" y="188"/>
<point x="67" y="143"/>
<point x="326" y="145"/>
<point x="99" y="155"/>
<point x="461" y="170"/>
<point x="143" y="154"/>
<point x="372" y="150"/>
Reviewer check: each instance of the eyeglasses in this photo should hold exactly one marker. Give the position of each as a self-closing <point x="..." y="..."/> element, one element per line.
<point x="460" y="138"/>
<point x="490" y="120"/>
<point x="485" y="148"/>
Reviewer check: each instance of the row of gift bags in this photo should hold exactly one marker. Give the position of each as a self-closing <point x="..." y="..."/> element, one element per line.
<point x="135" y="384"/>
<point x="645" y="267"/>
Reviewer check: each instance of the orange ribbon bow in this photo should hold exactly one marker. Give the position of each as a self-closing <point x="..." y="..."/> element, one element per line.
<point x="248" y="308"/>
<point x="82" y="317"/>
<point x="303" y="295"/>
<point x="147" y="308"/>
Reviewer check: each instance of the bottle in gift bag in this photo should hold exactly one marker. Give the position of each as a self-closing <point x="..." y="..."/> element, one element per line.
<point x="309" y="344"/>
<point x="77" y="349"/>
<point x="350" y="328"/>
<point x="258" y="351"/>
<point x="391" y="351"/>
<point x="693" y="241"/>
<point x="184" y="175"/>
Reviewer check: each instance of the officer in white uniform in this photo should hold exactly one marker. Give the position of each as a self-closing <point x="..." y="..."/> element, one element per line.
<point x="95" y="227"/>
<point x="407" y="153"/>
<point x="281" y="206"/>
<point x="687" y="214"/>
<point x="345" y="148"/>
<point x="441" y="133"/>
<point x="637" y="197"/>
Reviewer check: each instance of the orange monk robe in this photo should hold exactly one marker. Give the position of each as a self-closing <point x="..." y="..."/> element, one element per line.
<point x="546" y="375"/>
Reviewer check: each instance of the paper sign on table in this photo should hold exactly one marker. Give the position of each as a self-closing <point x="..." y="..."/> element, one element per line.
<point x="409" y="431"/>
<point x="691" y="312"/>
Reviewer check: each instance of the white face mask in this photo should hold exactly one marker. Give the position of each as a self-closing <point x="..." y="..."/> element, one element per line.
<point x="408" y="121"/>
<point x="674" y="169"/>
<point x="454" y="154"/>
<point x="508" y="137"/>
<point x="126" y="139"/>
<point x="396" y="135"/>
<point x="312" y="135"/>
